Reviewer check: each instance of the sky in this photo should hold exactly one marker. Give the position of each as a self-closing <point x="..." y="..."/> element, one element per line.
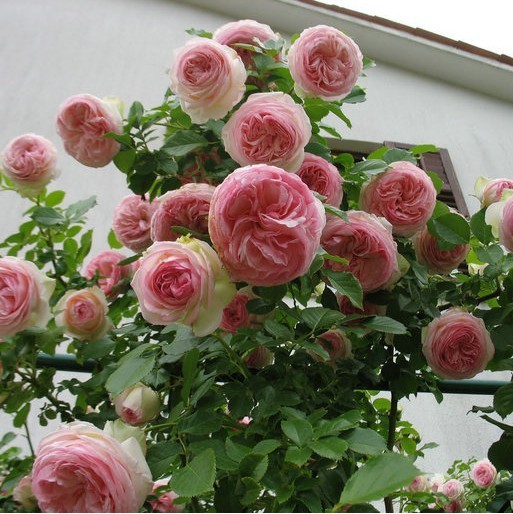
<point x="486" y="24"/>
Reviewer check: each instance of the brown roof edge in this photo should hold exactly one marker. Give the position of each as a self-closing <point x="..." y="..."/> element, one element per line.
<point x="426" y="34"/>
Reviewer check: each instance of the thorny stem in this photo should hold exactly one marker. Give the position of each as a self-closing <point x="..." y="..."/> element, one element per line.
<point x="477" y="301"/>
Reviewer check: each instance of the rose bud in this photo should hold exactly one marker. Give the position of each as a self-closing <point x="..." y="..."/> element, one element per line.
<point x="336" y="343"/>
<point x="165" y="500"/>
<point x="490" y="191"/>
<point x="23" y="494"/>
<point x="259" y="358"/>
<point x="137" y="405"/>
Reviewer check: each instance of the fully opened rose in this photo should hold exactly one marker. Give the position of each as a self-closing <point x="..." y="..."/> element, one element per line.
<point x="208" y="78"/>
<point x="269" y="128"/>
<point x="483" y="473"/>
<point x="457" y="345"/>
<point x="265" y="224"/>
<point x="80" y="468"/>
<point x="183" y="281"/>
<point x="324" y="63"/>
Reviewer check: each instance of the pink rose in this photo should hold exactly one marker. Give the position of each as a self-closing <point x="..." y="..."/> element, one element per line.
<point x="269" y="128"/>
<point x="403" y="194"/>
<point x="185" y="207"/>
<point x="368" y="246"/>
<point x="322" y="177"/>
<point x="418" y="485"/>
<point x="24" y="295"/>
<point x="259" y="358"/>
<point x="236" y="314"/>
<point x="324" y="63"/>
<point x="265" y="224"/>
<point x="23" y="494"/>
<point x="208" y="78"/>
<point x="131" y="222"/>
<point x="435" y="482"/>
<point x="435" y="259"/>
<point x="82" y="123"/>
<point x="30" y="161"/>
<point x="454" y="506"/>
<point x="483" y="473"/>
<point x="246" y="32"/>
<point x="165" y="500"/>
<point x="453" y="489"/>
<point x="111" y="275"/>
<point x="137" y="405"/>
<point x="336" y="343"/>
<point x="506" y="224"/>
<point x="79" y="468"/>
<point x="183" y="281"/>
<point x="457" y="345"/>
<point x="490" y="191"/>
<point x="84" y="314"/>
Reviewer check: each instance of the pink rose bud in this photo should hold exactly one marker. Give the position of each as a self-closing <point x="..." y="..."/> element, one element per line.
<point x="137" y="405"/>
<point x="435" y="259"/>
<point x="269" y="128"/>
<point x="82" y="123"/>
<point x="185" y="207"/>
<point x="84" y="314"/>
<point x="30" y="161"/>
<point x="483" y="473"/>
<point x="110" y="275"/>
<point x="506" y="225"/>
<point x="132" y="222"/>
<point x="490" y="191"/>
<point x="23" y="494"/>
<point x="265" y="224"/>
<point x="322" y="177"/>
<point x="324" y="63"/>
<point x="418" y="484"/>
<point x="435" y="482"/>
<point x="457" y="345"/>
<point x="25" y="293"/>
<point x="80" y="468"/>
<point x="183" y="281"/>
<point x="454" y="506"/>
<point x="453" y="489"/>
<point x="246" y="32"/>
<point x="236" y="314"/>
<point x="165" y="500"/>
<point x="403" y="194"/>
<point x="336" y="343"/>
<point x="259" y="358"/>
<point x="367" y="244"/>
<point x="208" y="78"/>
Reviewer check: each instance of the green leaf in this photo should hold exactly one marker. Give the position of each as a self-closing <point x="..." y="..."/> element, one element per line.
<point x="437" y="182"/>
<point x="21" y="416"/>
<point x="378" y="478"/>
<point x="278" y="330"/>
<point x="160" y="456"/>
<point x="54" y="198"/>
<point x="298" y="430"/>
<point x="266" y="446"/>
<point x="124" y="160"/>
<point x="297" y="456"/>
<point x="451" y="228"/>
<point x="366" y="441"/>
<point x="197" y="477"/>
<point x="329" y="447"/>
<point x="252" y="491"/>
<point x="398" y="154"/>
<point x="75" y="212"/>
<point x="346" y="284"/>
<point x="254" y="465"/>
<point x="419" y="149"/>
<point x="201" y="423"/>
<point x="183" y="142"/>
<point x="189" y="372"/>
<point x="385" y="324"/>
<point x="491" y="254"/>
<point x="500" y="452"/>
<point x="129" y="373"/>
<point x="370" y="166"/>
<point x="47" y="216"/>
<point x="480" y="228"/>
<point x="503" y="400"/>
<point x="321" y="318"/>
<point x="113" y="240"/>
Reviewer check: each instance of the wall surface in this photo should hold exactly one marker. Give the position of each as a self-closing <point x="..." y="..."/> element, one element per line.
<point x="56" y="48"/>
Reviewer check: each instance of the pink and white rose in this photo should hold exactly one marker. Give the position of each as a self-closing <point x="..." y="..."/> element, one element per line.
<point x="82" y="123"/>
<point x="418" y="485"/>
<point x="110" y="274"/>
<point x="324" y="63"/>
<point x="483" y="473"/>
<point x="490" y="191"/>
<point x="457" y="345"/>
<point x="506" y="224"/>
<point x="367" y="244"/>
<point x="208" y="78"/>
<point x="454" y="506"/>
<point x="336" y="343"/>
<point x="80" y="468"/>
<point x="269" y="128"/>
<point x="84" y="314"/>
<point x="25" y="293"/>
<point x="186" y="207"/>
<point x="30" y="161"/>
<point x="165" y="501"/>
<point x="403" y="194"/>
<point x="131" y="222"/>
<point x="23" y="494"/>
<point x="236" y="314"/>
<point x="453" y="489"/>
<point x="265" y="224"/>
<point x="322" y="177"/>
<point x="137" y="404"/>
<point x="183" y="281"/>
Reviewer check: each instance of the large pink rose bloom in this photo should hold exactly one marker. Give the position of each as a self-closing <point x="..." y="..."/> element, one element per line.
<point x="403" y="194"/>
<point x="435" y="259"/>
<point x="265" y="224"/>
<point x="110" y="275"/>
<point x="30" y="161"/>
<point x="322" y="177"/>
<point x="324" y="63"/>
<point x="506" y="225"/>
<point x="483" y="473"/>
<point x="208" y="78"/>
<point x="79" y="468"/>
<point x="24" y="295"/>
<point x="368" y="246"/>
<point x="185" y="207"/>
<point x="182" y="281"/>
<point x="131" y="222"/>
<point x="245" y="32"/>
<point x="457" y="345"/>
<point x="82" y="122"/>
<point x="269" y="128"/>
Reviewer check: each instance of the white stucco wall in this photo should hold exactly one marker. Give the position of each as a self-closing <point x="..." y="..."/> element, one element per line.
<point x="56" y="48"/>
